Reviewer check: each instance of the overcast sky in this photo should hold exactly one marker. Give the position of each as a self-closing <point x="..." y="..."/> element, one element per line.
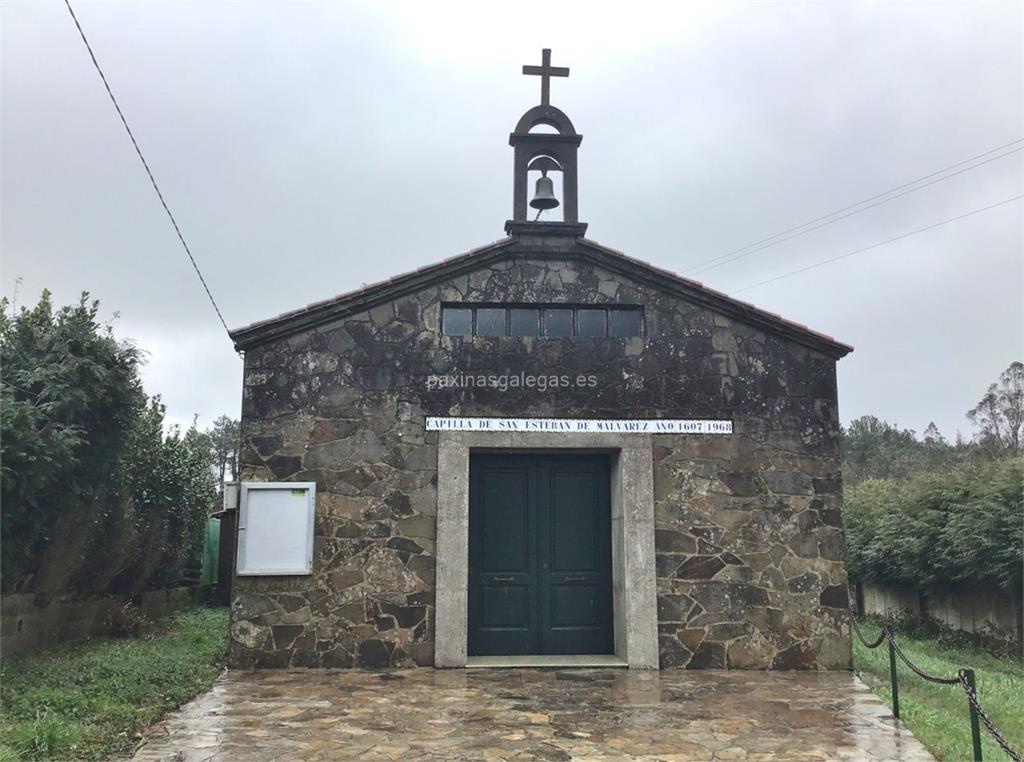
<point x="309" y="148"/>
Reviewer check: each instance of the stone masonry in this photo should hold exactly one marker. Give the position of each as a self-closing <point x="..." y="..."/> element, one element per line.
<point x="749" y="527"/>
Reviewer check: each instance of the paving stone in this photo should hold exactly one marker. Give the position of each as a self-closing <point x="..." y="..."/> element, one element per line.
<point x="533" y="714"/>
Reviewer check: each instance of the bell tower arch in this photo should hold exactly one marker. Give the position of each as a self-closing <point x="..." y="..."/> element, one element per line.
<point x="545" y="151"/>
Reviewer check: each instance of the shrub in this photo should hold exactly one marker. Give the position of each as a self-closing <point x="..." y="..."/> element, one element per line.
<point x="68" y="397"/>
<point x="97" y="497"/>
<point x="966" y="524"/>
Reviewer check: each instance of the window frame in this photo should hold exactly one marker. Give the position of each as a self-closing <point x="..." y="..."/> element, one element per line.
<point x="539" y="308"/>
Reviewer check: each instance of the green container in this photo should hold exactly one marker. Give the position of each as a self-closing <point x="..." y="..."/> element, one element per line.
<point x="211" y="552"/>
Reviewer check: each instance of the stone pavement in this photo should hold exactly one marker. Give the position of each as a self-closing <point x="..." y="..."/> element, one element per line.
<point x="533" y="714"/>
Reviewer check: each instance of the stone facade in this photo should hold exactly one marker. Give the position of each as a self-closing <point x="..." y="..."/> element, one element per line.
<point x="749" y="530"/>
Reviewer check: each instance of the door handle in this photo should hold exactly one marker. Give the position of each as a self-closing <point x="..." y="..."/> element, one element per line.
<point x="575" y="579"/>
<point x="503" y="579"/>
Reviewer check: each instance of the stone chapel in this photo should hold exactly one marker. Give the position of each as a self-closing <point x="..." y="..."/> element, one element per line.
<point x="539" y="452"/>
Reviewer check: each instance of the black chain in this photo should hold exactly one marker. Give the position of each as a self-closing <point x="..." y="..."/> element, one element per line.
<point x="860" y="635"/>
<point x="887" y="634"/>
<point x="960" y="679"/>
<point x="914" y="668"/>
<point x="973" y="698"/>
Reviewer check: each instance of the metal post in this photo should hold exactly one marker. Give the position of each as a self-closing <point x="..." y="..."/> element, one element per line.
<point x="975" y="729"/>
<point x="892" y="674"/>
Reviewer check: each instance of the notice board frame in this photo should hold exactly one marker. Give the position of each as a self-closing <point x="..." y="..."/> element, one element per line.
<point x="245" y="518"/>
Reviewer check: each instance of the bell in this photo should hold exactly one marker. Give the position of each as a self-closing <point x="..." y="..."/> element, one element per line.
<point x="544" y="197"/>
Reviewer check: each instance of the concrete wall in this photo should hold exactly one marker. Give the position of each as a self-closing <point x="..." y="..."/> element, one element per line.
<point x="26" y="626"/>
<point x="981" y="609"/>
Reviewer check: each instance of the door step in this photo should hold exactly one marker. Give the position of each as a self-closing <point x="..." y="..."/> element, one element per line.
<point x="603" y="661"/>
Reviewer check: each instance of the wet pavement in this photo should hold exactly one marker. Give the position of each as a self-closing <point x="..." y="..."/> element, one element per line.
<point x="533" y="714"/>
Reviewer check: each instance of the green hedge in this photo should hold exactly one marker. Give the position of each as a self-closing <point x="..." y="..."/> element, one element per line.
<point x="966" y="524"/>
<point x="97" y="495"/>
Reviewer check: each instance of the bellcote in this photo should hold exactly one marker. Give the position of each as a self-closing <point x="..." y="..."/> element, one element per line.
<point x="537" y="154"/>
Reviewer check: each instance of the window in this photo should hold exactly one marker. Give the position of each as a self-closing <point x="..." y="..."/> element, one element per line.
<point x="625" y="323"/>
<point x="557" y="323"/>
<point x="458" y="321"/>
<point x="490" y="321"/>
<point x="523" y="321"/>
<point x="554" y="321"/>
<point x="592" y="324"/>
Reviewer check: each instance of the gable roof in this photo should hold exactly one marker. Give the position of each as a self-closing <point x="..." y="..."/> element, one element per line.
<point x="370" y="295"/>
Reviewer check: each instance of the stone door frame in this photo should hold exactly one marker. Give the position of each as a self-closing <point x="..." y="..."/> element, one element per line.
<point x="634" y="578"/>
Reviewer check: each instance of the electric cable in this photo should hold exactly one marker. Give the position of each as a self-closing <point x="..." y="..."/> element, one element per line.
<point x="881" y="243"/>
<point x="145" y="166"/>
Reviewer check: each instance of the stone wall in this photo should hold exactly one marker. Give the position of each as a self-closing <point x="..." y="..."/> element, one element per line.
<point x="750" y="552"/>
<point x="749" y="526"/>
<point x="28" y="622"/>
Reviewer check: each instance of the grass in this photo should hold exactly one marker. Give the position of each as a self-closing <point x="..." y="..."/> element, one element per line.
<point x="91" y="700"/>
<point x="937" y="714"/>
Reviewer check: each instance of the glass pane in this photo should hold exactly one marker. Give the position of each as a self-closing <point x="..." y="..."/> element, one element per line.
<point x="625" y="322"/>
<point x="557" y="323"/>
<point x="524" y="322"/>
<point x="457" y="321"/>
<point x="490" y="321"/>
<point x="590" y="323"/>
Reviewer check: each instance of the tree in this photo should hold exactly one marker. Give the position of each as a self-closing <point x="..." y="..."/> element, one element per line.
<point x="69" y="394"/>
<point x="875" y="449"/>
<point x="96" y="496"/>
<point x="1000" y="413"/>
<point x="935" y="450"/>
<point x="933" y="437"/>
<point x="224" y="437"/>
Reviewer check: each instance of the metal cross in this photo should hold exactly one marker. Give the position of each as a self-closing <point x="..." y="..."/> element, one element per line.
<point x="546" y="71"/>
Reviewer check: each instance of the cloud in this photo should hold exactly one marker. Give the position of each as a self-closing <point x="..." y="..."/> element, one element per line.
<point x="309" y="148"/>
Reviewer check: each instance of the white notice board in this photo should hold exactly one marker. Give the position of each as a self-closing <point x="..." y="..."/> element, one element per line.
<point x="275" y="528"/>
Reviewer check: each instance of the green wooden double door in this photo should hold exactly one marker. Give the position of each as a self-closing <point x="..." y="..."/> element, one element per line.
<point x="539" y="555"/>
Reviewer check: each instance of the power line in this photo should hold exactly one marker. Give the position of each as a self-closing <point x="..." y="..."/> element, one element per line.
<point x="145" y="166"/>
<point x="858" y="211"/>
<point x="825" y="220"/>
<point x="882" y="243"/>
